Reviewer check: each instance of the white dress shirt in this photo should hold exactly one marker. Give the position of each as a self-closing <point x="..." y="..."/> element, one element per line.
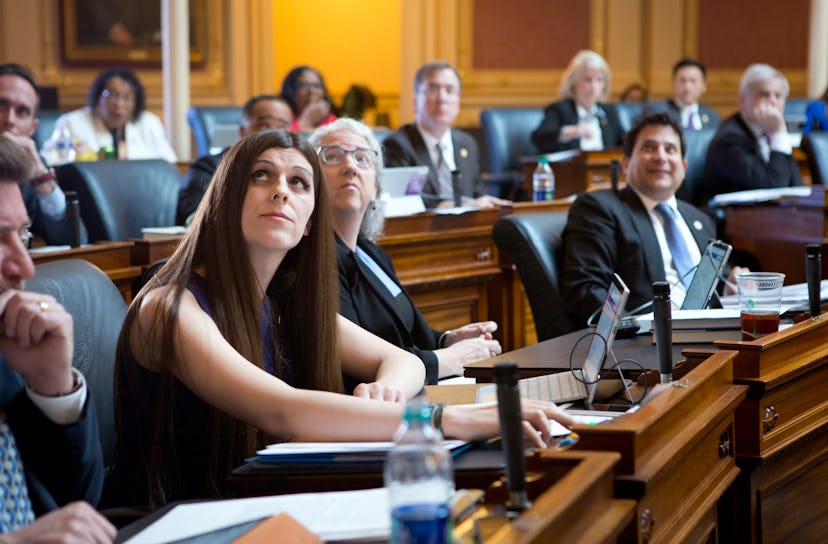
<point x="590" y="117"/>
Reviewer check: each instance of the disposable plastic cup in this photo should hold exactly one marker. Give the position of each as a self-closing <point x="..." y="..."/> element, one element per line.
<point x="760" y="298"/>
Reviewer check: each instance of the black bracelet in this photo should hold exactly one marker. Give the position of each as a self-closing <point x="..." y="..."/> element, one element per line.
<point x="437" y="416"/>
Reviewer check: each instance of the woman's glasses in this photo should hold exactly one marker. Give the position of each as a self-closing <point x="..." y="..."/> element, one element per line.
<point x="334" y="155"/>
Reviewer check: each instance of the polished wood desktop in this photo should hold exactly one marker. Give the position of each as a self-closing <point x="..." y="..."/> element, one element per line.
<point x="586" y="171"/>
<point x="776" y="232"/>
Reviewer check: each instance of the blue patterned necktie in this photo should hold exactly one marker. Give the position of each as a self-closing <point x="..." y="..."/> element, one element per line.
<point x="444" y="174"/>
<point x="15" y="507"/>
<point x="675" y="241"/>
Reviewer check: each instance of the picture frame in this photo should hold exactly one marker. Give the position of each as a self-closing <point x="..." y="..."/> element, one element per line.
<point x="115" y="32"/>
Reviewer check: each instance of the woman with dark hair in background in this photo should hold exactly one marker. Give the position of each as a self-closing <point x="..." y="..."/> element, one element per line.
<point x="305" y="91"/>
<point x="114" y="117"/>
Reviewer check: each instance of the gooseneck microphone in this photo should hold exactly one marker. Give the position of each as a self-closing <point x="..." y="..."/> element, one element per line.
<point x="511" y="428"/>
<point x="615" y="169"/>
<point x="73" y="214"/>
<point x="455" y="188"/>
<point x="663" y="323"/>
<point x="813" y="274"/>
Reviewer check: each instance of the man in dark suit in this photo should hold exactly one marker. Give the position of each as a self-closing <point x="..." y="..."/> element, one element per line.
<point x="632" y="232"/>
<point x="48" y="429"/>
<point x="431" y="141"/>
<point x="752" y="148"/>
<point x="262" y="112"/>
<point x="44" y="200"/>
<point x="689" y="85"/>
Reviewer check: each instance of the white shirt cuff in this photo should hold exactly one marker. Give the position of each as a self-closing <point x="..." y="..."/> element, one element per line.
<point x="62" y="410"/>
<point x="53" y="204"/>
<point x="781" y="142"/>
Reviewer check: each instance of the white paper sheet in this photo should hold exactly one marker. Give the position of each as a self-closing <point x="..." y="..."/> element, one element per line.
<point x="339" y="515"/>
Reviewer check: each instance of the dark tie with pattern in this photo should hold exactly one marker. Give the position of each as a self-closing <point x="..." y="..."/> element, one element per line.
<point x="444" y="175"/>
<point x="15" y="507"/>
<point x="675" y="241"/>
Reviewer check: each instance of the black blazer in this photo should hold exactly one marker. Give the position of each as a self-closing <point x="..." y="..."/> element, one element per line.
<point x="63" y="463"/>
<point x="562" y="113"/>
<point x="610" y="232"/>
<point x="194" y="184"/>
<point x="709" y="117"/>
<point x="405" y="147"/>
<point x="734" y="163"/>
<point x="364" y="300"/>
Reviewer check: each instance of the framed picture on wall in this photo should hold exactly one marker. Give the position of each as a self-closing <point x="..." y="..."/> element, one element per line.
<point x="108" y="32"/>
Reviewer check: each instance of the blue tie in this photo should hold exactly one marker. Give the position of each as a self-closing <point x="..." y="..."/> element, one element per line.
<point x="15" y="507"/>
<point x="675" y="241"/>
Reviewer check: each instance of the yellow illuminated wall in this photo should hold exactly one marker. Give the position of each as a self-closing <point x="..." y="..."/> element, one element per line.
<point x="348" y="42"/>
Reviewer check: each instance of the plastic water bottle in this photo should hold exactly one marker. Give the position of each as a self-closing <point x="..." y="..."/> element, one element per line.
<point x="419" y="476"/>
<point x="65" y="146"/>
<point x="543" y="181"/>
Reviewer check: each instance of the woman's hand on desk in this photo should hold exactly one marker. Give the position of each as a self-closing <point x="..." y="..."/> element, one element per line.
<point x="481" y="421"/>
<point x="379" y="391"/>
<point x="452" y="359"/>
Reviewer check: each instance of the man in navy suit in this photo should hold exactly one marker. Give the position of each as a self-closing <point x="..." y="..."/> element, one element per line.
<point x="625" y="233"/>
<point x="431" y="141"/>
<point x="689" y="86"/>
<point x="752" y="148"/>
<point x="47" y="420"/>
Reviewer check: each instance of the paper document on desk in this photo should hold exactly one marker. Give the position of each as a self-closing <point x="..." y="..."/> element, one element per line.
<point x="759" y="195"/>
<point x="792" y="295"/>
<point x="339" y="515"/>
<point x="307" y="452"/>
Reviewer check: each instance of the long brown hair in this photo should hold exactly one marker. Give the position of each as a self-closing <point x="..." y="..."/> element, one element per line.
<point x="303" y="298"/>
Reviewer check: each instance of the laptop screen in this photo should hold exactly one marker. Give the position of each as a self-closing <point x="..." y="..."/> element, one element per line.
<point x="404" y="180"/>
<point x="604" y="333"/>
<point x="706" y="276"/>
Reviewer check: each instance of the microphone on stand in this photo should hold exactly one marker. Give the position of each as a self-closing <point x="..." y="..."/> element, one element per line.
<point x="663" y="323"/>
<point x="615" y="169"/>
<point x="511" y="428"/>
<point x="455" y="188"/>
<point x="813" y="275"/>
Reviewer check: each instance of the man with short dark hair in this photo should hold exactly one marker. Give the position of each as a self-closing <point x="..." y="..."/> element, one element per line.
<point x="752" y="148"/>
<point x="430" y="141"/>
<point x="44" y="200"/>
<point x="689" y="86"/>
<point x="642" y="232"/>
<point x="262" y="112"/>
<point x="50" y="451"/>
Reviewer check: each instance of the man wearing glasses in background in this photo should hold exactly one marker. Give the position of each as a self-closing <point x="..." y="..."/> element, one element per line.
<point x="44" y="200"/>
<point x="431" y="141"/>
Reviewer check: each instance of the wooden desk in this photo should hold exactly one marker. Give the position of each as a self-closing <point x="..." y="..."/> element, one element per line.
<point x="776" y="233"/>
<point x="586" y="171"/>
<point x="782" y="431"/>
<point x="446" y="263"/>
<point x="114" y="258"/>
<point x="553" y="356"/>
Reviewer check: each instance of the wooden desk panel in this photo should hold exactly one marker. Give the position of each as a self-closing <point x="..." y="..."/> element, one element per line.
<point x="114" y="258"/>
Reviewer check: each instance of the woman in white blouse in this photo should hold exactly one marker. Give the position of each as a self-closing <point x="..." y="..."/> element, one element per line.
<point x="114" y="119"/>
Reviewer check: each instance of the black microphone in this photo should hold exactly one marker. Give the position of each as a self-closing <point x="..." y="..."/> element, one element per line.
<point x="813" y="273"/>
<point x="511" y="428"/>
<point x="663" y="323"/>
<point x="116" y="140"/>
<point x="73" y="214"/>
<point x="455" y="188"/>
<point x="615" y="169"/>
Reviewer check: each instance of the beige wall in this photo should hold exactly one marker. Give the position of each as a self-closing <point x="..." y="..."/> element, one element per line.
<point x="380" y="43"/>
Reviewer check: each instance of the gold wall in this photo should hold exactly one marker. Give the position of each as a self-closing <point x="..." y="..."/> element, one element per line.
<point x="509" y="53"/>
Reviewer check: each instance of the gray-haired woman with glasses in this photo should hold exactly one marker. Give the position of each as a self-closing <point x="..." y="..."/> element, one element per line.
<point x="370" y="292"/>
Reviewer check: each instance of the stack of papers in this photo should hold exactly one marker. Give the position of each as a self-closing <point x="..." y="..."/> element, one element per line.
<point x="348" y="452"/>
<point x="342" y="515"/>
<point x="699" y="326"/>
<point x="759" y="195"/>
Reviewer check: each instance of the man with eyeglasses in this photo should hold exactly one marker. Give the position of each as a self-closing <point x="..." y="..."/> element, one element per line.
<point x="431" y="141"/>
<point x="51" y="463"/>
<point x="262" y="112"/>
<point x="44" y="200"/>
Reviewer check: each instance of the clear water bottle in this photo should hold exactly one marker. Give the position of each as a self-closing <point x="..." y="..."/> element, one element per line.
<point x="419" y="476"/>
<point x="65" y="146"/>
<point x="543" y="181"/>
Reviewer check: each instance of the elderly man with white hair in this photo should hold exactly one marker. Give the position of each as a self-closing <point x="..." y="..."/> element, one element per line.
<point x="752" y="150"/>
